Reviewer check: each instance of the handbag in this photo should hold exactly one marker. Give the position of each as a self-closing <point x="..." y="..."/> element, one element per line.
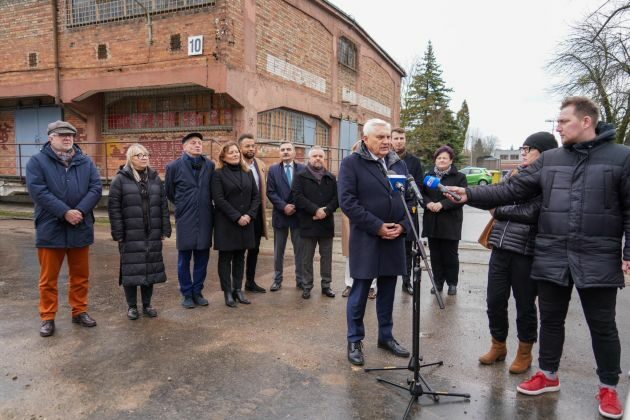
<point x="485" y="234"/>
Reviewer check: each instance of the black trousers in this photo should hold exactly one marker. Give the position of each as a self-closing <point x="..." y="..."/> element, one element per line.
<point x="509" y="270"/>
<point x="444" y="261"/>
<point x="598" y="305"/>
<point x="407" y="276"/>
<point x="131" y="295"/>
<point x="252" y="254"/>
<point x="231" y="264"/>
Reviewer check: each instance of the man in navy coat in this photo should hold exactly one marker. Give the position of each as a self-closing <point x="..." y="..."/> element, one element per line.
<point x="187" y="184"/>
<point x="284" y="218"/>
<point x="377" y="234"/>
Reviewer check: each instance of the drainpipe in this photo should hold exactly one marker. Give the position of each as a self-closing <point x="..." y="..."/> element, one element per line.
<point x="149" y="26"/>
<point x="56" y="52"/>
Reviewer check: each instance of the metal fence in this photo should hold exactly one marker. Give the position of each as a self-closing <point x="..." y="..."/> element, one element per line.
<point x="109" y="156"/>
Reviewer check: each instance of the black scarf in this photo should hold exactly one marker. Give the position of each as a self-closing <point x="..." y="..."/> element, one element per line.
<point x="317" y="173"/>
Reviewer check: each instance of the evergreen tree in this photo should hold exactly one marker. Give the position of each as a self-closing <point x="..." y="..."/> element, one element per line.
<point x="462" y="120"/>
<point x="428" y="121"/>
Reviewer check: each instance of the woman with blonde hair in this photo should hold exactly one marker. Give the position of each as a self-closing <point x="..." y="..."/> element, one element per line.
<point x="236" y="200"/>
<point x="139" y="218"/>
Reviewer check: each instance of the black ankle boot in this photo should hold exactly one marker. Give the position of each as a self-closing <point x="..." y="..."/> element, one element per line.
<point x="229" y="300"/>
<point x="238" y="295"/>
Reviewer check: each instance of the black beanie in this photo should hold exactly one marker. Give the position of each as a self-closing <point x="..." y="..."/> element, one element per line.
<point x="541" y="141"/>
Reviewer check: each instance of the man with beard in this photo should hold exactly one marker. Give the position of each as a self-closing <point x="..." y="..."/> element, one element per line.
<point x="284" y="219"/>
<point x="414" y="166"/>
<point x="315" y="192"/>
<point x="248" y="148"/>
<point x="585" y="212"/>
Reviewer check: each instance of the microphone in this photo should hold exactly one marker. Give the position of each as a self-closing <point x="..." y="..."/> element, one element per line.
<point x="397" y="181"/>
<point x="433" y="183"/>
<point x="414" y="188"/>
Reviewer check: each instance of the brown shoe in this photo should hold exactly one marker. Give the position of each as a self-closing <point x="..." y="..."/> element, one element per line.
<point x="47" y="329"/>
<point x="84" y="320"/>
<point x="523" y="359"/>
<point x="372" y="293"/>
<point x="497" y="352"/>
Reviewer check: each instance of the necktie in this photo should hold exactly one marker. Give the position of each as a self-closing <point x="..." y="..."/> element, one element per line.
<point x="382" y="166"/>
<point x="287" y="171"/>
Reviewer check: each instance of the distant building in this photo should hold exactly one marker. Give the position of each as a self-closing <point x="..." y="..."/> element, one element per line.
<point x="510" y="158"/>
<point x="299" y="70"/>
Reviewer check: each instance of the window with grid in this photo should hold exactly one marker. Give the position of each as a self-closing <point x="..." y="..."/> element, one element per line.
<point x="154" y="110"/>
<point x="347" y="54"/>
<point x="284" y="125"/>
<point x="90" y="12"/>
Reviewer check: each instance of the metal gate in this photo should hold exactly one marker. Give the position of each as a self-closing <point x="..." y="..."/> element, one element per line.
<point x="31" y="126"/>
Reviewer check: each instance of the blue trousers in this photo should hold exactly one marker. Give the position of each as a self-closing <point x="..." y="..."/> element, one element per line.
<point x="357" y="300"/>
<point x="192" y="286"/>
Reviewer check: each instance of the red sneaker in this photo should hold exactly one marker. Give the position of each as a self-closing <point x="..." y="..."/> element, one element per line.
<point x="609" y="405"/>
<point x="538" y="384"/>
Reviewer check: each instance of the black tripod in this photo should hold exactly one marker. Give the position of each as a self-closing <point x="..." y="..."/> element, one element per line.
<point x="415" y="385"/>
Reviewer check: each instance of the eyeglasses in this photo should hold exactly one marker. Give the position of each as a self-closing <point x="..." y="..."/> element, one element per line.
<point x="142" y="156"/>
<point x="524" y="149"/>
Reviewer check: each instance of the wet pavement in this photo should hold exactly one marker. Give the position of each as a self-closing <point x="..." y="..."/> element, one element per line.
<point x="280" y="357"/>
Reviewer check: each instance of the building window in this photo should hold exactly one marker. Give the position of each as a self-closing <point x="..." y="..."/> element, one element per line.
<point x="102" y="52"/>
<point x="32" y="59"/>
<point x="152" y="110"/>
<point x="347" y="54"/>
<point x="284" y="125"/>
<point x="176" y="42"/>
<point x="503" y="157"/>
<point x="513" y="157"/>
<point x="90" y="12"/>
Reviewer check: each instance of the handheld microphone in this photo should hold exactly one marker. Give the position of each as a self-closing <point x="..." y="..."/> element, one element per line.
<point x="397" y="181"/>
<point x="414" y="188"/>
<point x="433" y="183"/>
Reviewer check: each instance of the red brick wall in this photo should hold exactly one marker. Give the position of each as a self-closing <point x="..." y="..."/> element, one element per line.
<point x="291" y="35"/>
<point x="28" y="26"/>
<point x="376" y="84"/>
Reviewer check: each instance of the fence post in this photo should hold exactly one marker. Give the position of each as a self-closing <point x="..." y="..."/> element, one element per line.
<point x="20" y="161"/>
<point x="106" y="167"/>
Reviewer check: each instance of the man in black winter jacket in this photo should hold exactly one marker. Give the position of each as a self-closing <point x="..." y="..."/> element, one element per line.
<point x="585" y="187"/>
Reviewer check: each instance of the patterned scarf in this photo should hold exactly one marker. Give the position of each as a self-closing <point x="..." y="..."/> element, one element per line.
<point x="439" y="174"/>
<point x="65" y="157"/>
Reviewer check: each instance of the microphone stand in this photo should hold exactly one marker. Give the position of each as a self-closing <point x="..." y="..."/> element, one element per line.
<point x="416" y="383"/>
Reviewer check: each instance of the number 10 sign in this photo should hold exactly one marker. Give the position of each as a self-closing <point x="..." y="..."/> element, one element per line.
<point x="195" y="45"/>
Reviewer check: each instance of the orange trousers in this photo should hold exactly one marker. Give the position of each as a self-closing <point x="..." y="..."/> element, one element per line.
<point x="50" y="260"/>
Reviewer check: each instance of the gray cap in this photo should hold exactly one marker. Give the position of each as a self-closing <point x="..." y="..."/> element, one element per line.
<point x="61" y="127"/>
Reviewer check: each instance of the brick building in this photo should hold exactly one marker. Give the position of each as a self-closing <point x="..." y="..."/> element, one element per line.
<point x="150" y="70"/>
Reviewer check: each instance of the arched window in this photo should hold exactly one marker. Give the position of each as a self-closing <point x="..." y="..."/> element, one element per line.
<point x="284" y="125"/>
<point x="347" y="53"/>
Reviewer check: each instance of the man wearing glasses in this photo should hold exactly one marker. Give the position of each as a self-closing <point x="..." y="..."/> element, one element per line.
<point x="187" y="184"/>
<point x="65" y="186"/>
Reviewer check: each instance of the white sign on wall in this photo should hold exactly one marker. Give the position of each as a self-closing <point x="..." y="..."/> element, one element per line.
<point x="195" y="45"/>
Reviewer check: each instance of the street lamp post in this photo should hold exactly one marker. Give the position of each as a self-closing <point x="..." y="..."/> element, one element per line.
<point x="553" y="125"/>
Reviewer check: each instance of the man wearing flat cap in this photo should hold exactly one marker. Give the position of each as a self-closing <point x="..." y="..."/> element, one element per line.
<point x="65" y="186"/>
<point x="187" y="185"/>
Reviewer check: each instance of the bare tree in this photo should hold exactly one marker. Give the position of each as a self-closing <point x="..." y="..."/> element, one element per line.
<point x="479" y="145"/>
<point x="595" y="61"/>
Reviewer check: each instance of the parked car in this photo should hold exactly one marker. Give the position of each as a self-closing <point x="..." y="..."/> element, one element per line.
<point x="477" y="176"/>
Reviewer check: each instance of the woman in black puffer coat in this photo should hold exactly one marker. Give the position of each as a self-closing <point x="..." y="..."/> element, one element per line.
<point x="442" y="221"/>
<point x="139" y="217"/>
<point x="512" y="239"/>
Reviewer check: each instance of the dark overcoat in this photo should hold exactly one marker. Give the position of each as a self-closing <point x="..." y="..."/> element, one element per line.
<point x="192" y="198"/>
<point x="138" y="223"/>
<point x="447" y="223"/>
<point x="367" y="198"/>
<point x="279" y="193"/>
<point x="311" y="195"/>
<point x="585" y="210"/>
<point x="55" y="189"/>
<point x="235" y="194"/>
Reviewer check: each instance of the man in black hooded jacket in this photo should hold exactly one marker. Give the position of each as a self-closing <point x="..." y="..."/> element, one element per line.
<point x="585" y="187"/>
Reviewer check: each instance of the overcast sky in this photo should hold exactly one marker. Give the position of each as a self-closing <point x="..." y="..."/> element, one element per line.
<point x="492" y="53"/>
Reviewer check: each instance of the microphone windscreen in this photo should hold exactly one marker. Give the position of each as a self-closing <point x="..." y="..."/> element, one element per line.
<point x="394" y="179"/>
<point x="431" y="182"/>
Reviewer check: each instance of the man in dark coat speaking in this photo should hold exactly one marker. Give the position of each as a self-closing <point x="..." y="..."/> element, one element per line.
<point x="377" y="234"/>
<point x="187" y="186"/>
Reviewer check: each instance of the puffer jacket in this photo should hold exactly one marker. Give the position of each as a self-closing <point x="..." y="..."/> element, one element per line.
<point x="138" y="224"/>
<point x="585" y="210"/>
<point x="515" y="226"/>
